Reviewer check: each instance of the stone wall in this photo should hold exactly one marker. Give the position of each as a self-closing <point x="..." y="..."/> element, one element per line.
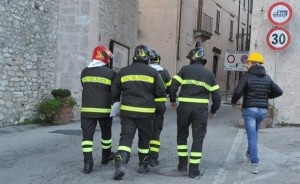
<point x="45" y="44"/>
<point x="84" y="24"/>
<point x="28" y="38"/>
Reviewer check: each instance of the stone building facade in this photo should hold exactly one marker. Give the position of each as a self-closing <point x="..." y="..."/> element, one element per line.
<point x="288" y="68"/>
<point x="174" y="27"/>
<point x="45" y="44"/>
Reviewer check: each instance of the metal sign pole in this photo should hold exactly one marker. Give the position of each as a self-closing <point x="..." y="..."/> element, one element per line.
<point x="275" y="80"/>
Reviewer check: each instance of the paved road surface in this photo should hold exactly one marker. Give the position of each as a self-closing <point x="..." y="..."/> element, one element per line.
<point x="46" y="155"/>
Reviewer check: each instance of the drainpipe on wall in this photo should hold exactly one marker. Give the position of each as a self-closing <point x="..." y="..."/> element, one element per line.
<point x="237" y="40"/>
<point x="238" y="28"/>
<point x="179" y="32"/>
<point x="248" y="36"/>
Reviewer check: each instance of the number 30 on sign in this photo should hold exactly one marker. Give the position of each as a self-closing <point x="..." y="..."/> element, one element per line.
<point x="278" y="38"/>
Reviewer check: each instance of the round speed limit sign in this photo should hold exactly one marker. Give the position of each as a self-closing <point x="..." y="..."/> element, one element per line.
<point x="278" y="38"/>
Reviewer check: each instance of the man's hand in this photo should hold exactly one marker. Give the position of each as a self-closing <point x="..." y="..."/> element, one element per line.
<point x="173" y="105"/>
<point x="211" y="115"/>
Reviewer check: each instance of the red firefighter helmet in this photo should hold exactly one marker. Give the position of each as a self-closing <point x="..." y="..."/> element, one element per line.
<point x="102" y="53"/>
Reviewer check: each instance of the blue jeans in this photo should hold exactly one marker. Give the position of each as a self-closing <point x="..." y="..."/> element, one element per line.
<point x="253" y="117"/>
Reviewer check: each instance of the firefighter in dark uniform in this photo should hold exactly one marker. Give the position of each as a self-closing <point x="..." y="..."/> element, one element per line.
<point x="139" y="85"/>
<point x="196" y="84"/>
<point x="160" y="108"/>
<point x="96" y="81"/>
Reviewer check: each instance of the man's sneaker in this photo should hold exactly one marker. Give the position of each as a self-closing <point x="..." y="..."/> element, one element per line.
<point x="247" y="158"/>
<point x="253" y="169"/>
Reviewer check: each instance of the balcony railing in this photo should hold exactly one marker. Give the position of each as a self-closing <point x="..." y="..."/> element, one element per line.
<point x="204" y="27"/>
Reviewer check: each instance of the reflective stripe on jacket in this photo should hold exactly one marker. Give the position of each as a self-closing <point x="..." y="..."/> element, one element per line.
<point x="96" y="93"/>
<point x="196" y="84"/>
<point x="139" y="85"/>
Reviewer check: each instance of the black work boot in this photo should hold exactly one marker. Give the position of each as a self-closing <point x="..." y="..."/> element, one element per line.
<point x="182" y="166"/>
<point x="153" y="159"/>
<point x="107" y="156"/>
<point x="120" y="165"/>
<point x="194" y="170"/>
<point x="143" y="165"/>
<point x="153" y="162"/>
<point x="88" y="166"/>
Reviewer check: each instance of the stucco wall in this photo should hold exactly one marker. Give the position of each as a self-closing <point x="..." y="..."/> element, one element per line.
<point x="158" y="29"/>
<point x="228" y="11"/>
<point x="288" y="77"/>
<point x="160" y="24"/>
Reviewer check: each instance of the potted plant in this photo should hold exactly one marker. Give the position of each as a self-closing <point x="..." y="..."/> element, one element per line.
<point x="58" y="109"/>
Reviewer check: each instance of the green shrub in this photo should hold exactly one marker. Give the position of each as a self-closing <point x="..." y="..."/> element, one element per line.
<point x="61" y="93"/>
<point x="48" y="108"/>
<point x="70" y="101"/>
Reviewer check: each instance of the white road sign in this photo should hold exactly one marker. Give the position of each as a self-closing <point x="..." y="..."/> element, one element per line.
<point x="235" y="60"/>
<point x="278" y="38"/>
<point x="280" y="13"/>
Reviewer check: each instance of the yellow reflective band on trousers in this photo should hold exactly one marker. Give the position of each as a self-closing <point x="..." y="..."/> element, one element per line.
<point x="193" y="100"/>
<point x="183" y="154"/>
<point x="124" y="148"/>
<point x="182" y="150"/>
<point x="137" y="109"/>
<point x="196" y="154"/>
<point x="155" y="142"/>
<point x="179" y="79"/>
<point x="87" y="143"/>
<point x="182" y="147"/>
<point x="201" y="83"/>
<point x="154" y="149"/>
<point x="106" y="144"/>
<point x="95" y="110"/>
<point x="106" y="147"/>
<point x="144" y="151"/>
<point x="169" y="83"/>
<point x="85" y="150"/>
<point x="100" y="80"/>
<point x="106" y="141"/>
<point x="160" y="99"/>
<point x="142" y="78"/>
<point x="195" y="161"/>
